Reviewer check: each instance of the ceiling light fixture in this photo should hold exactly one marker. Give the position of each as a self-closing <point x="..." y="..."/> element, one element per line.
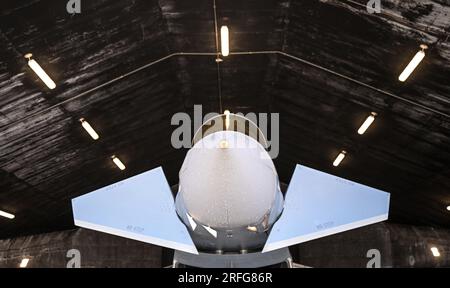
<point x="339" y="158"/>
<point x="448" y="208"/>
<point x="24" y="262"/>
<point x="89" y="129"/>
<point x="413" y="64"/>
<point x="435" y="252"/>
<point x="367" y="123"/>
<point x="7" y="215"/>
<point x="118" y="162"/>
<point x="40" y="72"/>
<point x="225" y="40"/>
<point x="227" y="119"/>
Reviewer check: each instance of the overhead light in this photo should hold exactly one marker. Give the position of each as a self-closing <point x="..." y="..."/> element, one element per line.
<point x="435" y="252"/>
<point x="225" y="39"/>
<point x="24" y="263"/>
<point x="413" y="64"/>
<point x="40" y="72"/>
<point x="118" y="162"/>
<point x="448" y="208"/>
<point x="367" y="123"/>
<point x="339" y="158"/>
<point x="227" y="119"/>
<point x="89" y="129"/>
<point x="6" y="215"/>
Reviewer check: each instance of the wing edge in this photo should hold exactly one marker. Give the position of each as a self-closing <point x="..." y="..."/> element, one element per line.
<point x="324" y="233"/>
<point x="147" y="239"/>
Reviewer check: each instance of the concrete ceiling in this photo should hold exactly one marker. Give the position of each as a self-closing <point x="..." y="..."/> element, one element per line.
<point x="46" y="158"/>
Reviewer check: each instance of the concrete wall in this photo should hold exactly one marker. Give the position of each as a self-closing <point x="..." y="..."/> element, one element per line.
<point x="96" y="250"/>
<point x="399" y="246"/>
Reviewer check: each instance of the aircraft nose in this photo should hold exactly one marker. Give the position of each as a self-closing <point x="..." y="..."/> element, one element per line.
<point x="225" y="181"/>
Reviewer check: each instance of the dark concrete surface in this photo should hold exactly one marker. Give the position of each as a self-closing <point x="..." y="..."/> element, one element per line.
<point x="398" y="245"/>
<point x="97" y="250"/>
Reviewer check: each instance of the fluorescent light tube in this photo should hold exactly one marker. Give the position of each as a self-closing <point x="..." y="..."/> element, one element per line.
<point x="413" y="64"/>
<point x="367" y="123"/>
<point x="89" y="129"/>
<point x="118" y="162"/>
<point x="339" y="158"/>
<point x="227" y="119"/>
<point x="24" y="263"/>
<point x="435" y="252"/>
<point x="40" y="72"/>
<point x="6" y="215"/>
<point x="225" y="39"/>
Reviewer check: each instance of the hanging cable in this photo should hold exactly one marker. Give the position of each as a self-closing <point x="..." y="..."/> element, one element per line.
<point x="218" y="59"/>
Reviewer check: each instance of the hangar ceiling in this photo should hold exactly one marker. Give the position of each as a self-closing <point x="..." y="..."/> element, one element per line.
<point x="46" y="158"/>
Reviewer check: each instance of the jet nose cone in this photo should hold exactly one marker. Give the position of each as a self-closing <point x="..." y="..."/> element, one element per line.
<point x="228" y="180"/>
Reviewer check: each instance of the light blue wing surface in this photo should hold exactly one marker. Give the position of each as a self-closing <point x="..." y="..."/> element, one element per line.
<point x="140" y="208"/>
<point x="318" y="204"/>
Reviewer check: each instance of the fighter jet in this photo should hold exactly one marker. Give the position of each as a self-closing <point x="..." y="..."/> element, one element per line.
<point x="229" y="210"/>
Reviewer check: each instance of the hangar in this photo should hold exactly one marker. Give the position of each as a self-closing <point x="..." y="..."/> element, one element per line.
<point x="87" y="99"/>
